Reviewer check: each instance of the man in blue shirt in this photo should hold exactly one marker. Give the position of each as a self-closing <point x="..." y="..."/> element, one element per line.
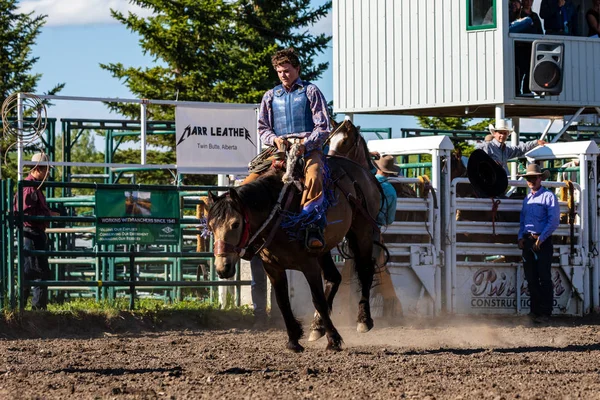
<point x="386" y="168"/>
<point x="540" y="217"/>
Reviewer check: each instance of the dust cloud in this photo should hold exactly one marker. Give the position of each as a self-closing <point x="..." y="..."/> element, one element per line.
<point x="452" y="332"/>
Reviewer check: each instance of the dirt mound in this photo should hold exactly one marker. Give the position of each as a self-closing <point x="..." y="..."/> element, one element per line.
<point x="39" y="324"/>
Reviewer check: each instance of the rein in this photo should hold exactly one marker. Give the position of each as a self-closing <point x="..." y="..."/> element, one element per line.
<point x="276" y="209"/>
<point x="221" y="247"/>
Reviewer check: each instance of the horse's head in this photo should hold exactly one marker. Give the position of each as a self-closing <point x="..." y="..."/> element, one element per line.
<point x="457" y="165"/>
<point x="228" y="221"/>
<point x="343" y="139"/>
<point x="346" y="141"/>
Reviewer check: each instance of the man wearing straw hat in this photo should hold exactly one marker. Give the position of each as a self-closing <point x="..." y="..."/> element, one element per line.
<point x="540" y="217"/>
<point x="499" y="150"/>
<point x="386" y="168"/>
<point x="34" y="232"/>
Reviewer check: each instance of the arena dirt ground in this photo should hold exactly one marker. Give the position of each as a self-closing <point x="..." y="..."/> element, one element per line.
<point x="454" y="358"/>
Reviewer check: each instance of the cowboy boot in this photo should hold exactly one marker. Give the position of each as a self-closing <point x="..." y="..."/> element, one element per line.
<point x="314" y="235"/>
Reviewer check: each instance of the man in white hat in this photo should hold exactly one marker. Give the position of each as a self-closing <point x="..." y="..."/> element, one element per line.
<point x="34" y="232"/>
<point x="499" y="150"/>
<point x="540" y="216"/>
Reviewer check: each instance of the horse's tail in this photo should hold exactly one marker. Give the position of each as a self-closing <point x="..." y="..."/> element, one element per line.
<point x="385" y="250"/>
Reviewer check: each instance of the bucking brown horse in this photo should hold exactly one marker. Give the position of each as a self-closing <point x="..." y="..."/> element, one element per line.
<point x="247" y="220"/>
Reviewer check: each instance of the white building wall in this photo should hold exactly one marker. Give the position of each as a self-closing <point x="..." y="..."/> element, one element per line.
<point x="581" y="84"/>
<point x="391" y="54"/>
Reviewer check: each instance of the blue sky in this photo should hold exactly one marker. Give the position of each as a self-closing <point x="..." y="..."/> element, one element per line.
<point x="80" y="34"/>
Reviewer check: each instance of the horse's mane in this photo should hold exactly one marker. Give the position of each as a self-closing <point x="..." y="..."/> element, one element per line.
<point x="259" y="195"/>
<point x="363" y="143"/>
<point x="263" y="190"/>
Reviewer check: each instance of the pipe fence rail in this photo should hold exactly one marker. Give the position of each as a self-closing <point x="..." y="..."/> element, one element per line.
<point x="82" y="267"/>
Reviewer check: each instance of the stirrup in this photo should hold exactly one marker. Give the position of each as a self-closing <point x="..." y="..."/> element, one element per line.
<point x="313" y="233"/>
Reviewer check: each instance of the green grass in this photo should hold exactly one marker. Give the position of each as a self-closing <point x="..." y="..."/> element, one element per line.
<point x="90" y="317"/>
<point x="142" y="306"/>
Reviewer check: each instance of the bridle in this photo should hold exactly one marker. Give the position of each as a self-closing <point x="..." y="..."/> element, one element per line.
<point x="222" y="248"/>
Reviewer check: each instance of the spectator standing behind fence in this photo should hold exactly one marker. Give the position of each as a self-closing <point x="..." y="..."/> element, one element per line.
<point x="502" y="152"/>
<point x="593" y="19"/>
<point x="560" y="17"/>
<point x="540" y="217"/>
<point x="258" y="291"/>
<point x="386" y="168"/>
<point x="36" y="268"/>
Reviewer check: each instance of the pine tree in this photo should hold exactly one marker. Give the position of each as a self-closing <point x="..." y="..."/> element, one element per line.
<point x="18" y="33"/>
<point x="213" y="51"/>
<point x="216" y="50"/>
<point x="455" y="123"/>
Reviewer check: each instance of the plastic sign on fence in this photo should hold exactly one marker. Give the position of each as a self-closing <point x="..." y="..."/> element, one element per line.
<point x="215" y="140"/>
<point x="137" y="217"/>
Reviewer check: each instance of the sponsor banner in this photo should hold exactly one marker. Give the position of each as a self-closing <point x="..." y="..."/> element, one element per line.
<point x="494" y="290"/>
<point x="215" y="140"/>
<point x="137" y="217"/>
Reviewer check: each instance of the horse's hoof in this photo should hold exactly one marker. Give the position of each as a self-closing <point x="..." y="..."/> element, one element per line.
<point x="316" y="334"/>
<point x="364" y="327"/>
<point x="295" y="347"/>
<point x="334" y="346"/>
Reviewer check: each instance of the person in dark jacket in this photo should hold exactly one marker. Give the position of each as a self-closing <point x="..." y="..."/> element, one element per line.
<point x="560" y="17"/>
<point x="36" y="268"/>
<point x="536" y="22"/>
<point x="592" y="17"/>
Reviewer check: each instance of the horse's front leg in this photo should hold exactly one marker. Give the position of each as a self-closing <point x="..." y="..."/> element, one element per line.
<point x="365" y="269"/>
<point x="332" y="283"/>
<point x="313" y="275"/>
<point x="279" y="282"/>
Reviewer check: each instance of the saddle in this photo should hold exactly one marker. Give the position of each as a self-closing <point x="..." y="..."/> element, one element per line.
<point x="273" y="158"/>
<point x="297" y="224"/>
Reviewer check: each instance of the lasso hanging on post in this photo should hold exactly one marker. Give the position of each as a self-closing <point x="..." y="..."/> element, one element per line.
<point x="24" y="119"/>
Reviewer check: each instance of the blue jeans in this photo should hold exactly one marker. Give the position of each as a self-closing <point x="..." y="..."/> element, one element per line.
<point x="538" y="272"/>
<point x="258" y="287"/>
<point x="36" y="268"/>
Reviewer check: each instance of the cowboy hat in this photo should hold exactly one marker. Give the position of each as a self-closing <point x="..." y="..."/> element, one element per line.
<point x="486" y="175"/>
<point x="536" y="170"/>
<point x="41" y="159"/>
<point x="387" y="164"/>
<point x="501" y="125"/>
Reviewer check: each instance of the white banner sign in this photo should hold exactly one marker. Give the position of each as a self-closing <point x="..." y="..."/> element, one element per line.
<point x="215" y="140"/>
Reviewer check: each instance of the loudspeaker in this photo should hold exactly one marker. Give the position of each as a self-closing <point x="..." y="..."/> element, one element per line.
<point x="546" y="70"/>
